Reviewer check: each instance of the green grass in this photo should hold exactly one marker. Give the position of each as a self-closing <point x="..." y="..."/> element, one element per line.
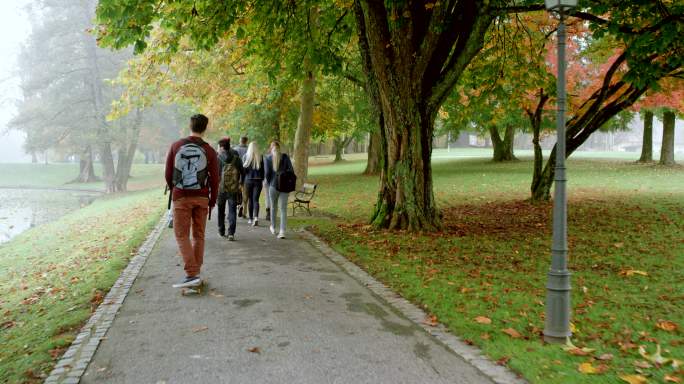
<point x="53" y="276"/>
<point x="60" y="175"/>
<point x="492" y="257"/>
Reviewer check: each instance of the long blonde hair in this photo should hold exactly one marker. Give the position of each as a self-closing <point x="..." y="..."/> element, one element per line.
<point x="275" y="151"/>
<point x="252" y="157"/>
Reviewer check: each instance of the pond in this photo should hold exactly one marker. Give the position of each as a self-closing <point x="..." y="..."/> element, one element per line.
<point x="22" y="209"/>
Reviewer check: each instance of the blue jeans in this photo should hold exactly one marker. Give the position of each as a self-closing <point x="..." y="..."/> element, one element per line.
<point x="278" y="198"/>
<point x="253" y="192"/>
<point x="230" y="200"/>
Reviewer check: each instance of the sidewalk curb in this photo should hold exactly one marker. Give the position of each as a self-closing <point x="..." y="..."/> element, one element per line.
<point x="75" y="360"/>
<point x="497" y="373"/>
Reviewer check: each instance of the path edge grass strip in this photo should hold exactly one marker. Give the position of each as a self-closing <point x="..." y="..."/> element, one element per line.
<point x="473" y="355"/>
<point x="75" y="360"/>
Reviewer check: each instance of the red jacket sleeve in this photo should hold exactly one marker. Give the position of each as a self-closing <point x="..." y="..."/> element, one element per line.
<point x="168" y="172"/>
<point x="214" y="175"/>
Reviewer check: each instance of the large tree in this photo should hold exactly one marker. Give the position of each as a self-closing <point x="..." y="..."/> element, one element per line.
<point x="67" y="94"/>
<point x="414" y="52"/>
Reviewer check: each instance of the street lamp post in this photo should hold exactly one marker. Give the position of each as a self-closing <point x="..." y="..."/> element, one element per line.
<point x="557" y="320"/>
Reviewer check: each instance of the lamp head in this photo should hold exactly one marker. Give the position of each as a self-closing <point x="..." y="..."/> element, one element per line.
<point x="560" y="5"/>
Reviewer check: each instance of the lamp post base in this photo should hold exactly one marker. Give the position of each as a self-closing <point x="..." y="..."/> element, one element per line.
<point x="554" y="339"/>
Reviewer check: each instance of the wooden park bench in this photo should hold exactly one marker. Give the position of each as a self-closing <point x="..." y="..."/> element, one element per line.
<point x="303" y="197"/>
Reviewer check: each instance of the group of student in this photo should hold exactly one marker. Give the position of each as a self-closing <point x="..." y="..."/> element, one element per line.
<point x="199" y="178"/>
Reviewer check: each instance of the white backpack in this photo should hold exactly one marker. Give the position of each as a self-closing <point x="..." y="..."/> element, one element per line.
<point x="190" y="166"/>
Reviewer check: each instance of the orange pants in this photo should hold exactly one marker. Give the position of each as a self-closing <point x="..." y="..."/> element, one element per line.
<point x="190" y="213"/>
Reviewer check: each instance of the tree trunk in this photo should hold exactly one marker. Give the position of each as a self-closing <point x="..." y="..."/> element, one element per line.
<point x="339" y="146"/>
<point x="647" y="142"/>
<point x="503" y="148"/>
<point x="667" y="148"/>
<point x="86" y="172"/>
<point x="127" y="153"/>
<point x="373" y="165"/>
<point x="34" y="157"/>
<point x="600" y="107"/>
<point x="535" y="121"/>
<point x="108" y="170"/>
<point x="304" y="125"/>
<point x="406" y="198"/>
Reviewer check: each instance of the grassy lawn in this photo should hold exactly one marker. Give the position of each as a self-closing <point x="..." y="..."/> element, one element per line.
<point x="59" y="175"/>
<point x="486" y="271"/>
<point x="54" y="275"/>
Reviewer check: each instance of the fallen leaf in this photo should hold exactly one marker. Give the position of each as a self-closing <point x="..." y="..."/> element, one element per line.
<point x="485" y="336"/>
<point x="666" y="325"/>
<point x="655" y="358"/>
<point x="503" y="360"/>
<point x="587" y="368"/>
<point x="632" y="272"/>
<point x="7" y="324"/>
<point x="642" y="364"/>
<point x="672" y="379"/>
<point x="634" y="379"/>
<point x="619" y="245"/>
<point x="605" y="357"/>
<point x="577" y="352"/>
<point x="254" y="350"/>
<point x="483" y="320"/>
<point x="512" y="333"/>
<point x="430" y="320"/>
<point x="200" y="329"/>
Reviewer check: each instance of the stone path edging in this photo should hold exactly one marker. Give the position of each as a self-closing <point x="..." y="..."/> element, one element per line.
<point x="75" y="360"/>
<point x="499" y="374"/>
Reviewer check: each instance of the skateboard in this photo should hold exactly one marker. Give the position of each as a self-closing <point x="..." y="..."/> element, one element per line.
<point x="195" y="291"/>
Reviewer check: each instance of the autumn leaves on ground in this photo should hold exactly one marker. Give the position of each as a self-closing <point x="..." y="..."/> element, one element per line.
<point x="484" y="274"/>
<point x="55" y="275"/>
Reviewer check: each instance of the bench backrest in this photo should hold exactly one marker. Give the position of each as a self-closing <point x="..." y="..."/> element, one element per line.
<point x="309" y="188"/>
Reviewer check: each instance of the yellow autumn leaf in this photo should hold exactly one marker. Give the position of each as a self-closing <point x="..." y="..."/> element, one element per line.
<point x="634" y="379"/>
<point x="587" y="368"/>
<point x="632" y="272"/>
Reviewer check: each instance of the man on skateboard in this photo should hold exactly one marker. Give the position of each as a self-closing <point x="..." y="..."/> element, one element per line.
<point x="192" y="174"/>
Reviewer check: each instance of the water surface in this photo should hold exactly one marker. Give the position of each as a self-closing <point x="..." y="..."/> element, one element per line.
<point x="22" y="209"/>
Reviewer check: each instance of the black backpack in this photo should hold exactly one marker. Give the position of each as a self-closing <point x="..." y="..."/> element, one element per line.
<point x="285" y="180"/>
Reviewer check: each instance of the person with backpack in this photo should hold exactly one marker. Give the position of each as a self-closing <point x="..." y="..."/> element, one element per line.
<point x="241" y="149"/>
<point x="254" y="178"/>
<point x="232" y="175"/>
<point x="281" y="180"/>
<point x="192" y="174"/>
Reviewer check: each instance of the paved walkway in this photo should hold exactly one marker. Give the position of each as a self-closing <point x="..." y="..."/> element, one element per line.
<point x="276" y="311"/>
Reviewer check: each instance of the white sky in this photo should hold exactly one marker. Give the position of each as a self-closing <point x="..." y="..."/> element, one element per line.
<point x="14" y="29"/>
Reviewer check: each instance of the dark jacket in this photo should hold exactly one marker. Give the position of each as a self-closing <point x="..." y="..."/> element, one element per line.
<point x="270" y="173"/>
<point x="241" y="150"/>
<point x="226" y="157"/>
<point x="210" y="190"/>
<point x="252" y="173"/>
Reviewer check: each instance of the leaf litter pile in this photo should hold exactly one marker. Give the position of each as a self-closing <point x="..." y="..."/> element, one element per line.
<point x="484" y="277"/>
